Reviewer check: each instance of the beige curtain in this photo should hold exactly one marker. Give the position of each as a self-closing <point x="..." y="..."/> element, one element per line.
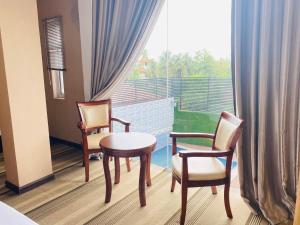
<point x="266" y="75"/>
<point x="120" y="31"/>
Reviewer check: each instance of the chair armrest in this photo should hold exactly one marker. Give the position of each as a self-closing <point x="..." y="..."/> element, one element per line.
<point x="211" y="153"/>
<point x="82" y="127"/>
<point x="120" y="121"/>
<point x="175" y="135"/>
<point x="191" y="135"/>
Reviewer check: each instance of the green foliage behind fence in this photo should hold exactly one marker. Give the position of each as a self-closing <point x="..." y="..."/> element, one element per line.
<point x="199" y="100"/>
<point x="195" y="122"/>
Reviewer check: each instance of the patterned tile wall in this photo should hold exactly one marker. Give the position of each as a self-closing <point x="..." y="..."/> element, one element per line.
<point x="155" y="117"/>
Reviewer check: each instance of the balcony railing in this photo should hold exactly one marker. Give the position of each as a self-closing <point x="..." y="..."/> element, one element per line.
<point x="199" y="94"/>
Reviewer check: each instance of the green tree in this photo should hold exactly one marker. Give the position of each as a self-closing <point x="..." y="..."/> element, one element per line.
<point x="181" y="65"/>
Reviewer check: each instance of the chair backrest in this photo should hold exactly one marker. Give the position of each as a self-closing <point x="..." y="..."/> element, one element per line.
<point x="95" y="114"/>
<point x="228" y="131"/>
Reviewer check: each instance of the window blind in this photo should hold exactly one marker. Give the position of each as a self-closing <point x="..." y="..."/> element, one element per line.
<point x="54" y="43"/>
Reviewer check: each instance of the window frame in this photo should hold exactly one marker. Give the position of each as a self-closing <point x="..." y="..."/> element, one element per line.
<point x="56" y="75"/>
<point x="57" y="79"/>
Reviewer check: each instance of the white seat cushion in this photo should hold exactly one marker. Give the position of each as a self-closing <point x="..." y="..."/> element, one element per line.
<point x="200" y="168"/>
<point x="93" y="140"/>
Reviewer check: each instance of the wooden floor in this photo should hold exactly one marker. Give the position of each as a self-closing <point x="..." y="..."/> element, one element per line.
<point x="69" y="200"/>
<point x="62" y="157"/>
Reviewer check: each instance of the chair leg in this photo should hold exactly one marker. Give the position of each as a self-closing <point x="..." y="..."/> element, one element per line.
<point x="184" y="193"/>
<point x="214" y="190"/>
<point x="173" y="184"/>
<point x="83" y="154"/>
<point x="226" y="200"/>
<point x="148" y="170"/>
<point x="117" y="170"/>
<point x="87" y="166"/>
<point x="128" y="165"/>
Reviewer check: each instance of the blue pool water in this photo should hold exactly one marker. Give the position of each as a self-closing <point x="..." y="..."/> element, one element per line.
<point x="162" y="157"/>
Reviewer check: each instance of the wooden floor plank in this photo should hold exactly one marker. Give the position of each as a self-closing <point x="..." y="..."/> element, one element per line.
<point x="161" y="205"/>
<point x="63" y="156"/>
<point x="215" y="206"/>
<point x="70" y="200"/>
<point x="65" y="181"/>
<point x="86" y="202"/>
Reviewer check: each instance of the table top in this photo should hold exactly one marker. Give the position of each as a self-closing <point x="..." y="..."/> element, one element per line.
<point x="130" y="142"/>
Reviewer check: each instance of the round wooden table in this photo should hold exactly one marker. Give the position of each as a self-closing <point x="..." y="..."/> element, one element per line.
<point x="130" y="144"/>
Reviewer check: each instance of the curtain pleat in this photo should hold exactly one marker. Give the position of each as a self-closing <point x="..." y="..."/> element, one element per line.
<point x="120" y="31"/>
<point x="266" y="77"/>
<point x="297" y="210"/>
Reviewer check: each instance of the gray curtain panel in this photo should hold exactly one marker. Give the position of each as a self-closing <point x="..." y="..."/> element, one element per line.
<point x="266" y="75"/>
<point x="121" y="29"/>
<point x="297" y="209"/>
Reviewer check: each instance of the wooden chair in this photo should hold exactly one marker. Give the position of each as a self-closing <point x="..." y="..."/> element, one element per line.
<point x="94" y="117"/>
<point x="197" y="168"/>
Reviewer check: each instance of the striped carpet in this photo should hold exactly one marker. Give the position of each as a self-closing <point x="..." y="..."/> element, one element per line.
<point x="69" y="200"/>
<point x="63" y="156"/>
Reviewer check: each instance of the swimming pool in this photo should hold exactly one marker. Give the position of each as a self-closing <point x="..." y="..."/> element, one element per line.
<point x="162" y="157"/>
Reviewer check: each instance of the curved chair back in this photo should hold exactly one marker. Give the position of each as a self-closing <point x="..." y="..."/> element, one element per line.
<point x="95" y="114"/>
<point x="227" y="132"/>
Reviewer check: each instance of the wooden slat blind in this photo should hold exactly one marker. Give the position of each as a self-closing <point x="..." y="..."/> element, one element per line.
<point x="54" y="43"/>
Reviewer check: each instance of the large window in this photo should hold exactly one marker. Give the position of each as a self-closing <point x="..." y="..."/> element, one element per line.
<point x="182" y="81"/>
<point x="55" y="55"/>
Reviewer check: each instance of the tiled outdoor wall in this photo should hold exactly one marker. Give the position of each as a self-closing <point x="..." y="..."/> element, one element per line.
<point x="155" y="117"/>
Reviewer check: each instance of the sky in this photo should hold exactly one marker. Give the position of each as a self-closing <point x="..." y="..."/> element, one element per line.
<point x="187" y="26"/>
